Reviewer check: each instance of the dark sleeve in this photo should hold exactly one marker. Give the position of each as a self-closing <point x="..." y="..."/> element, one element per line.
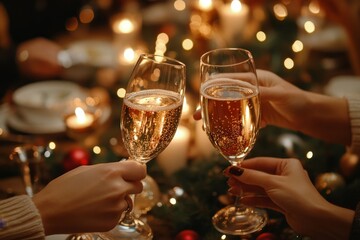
<point x="355" y="228"/>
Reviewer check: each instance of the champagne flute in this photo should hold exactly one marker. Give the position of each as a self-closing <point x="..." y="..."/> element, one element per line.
<point x="230" y="108"/>
<point x="150" y="115"/>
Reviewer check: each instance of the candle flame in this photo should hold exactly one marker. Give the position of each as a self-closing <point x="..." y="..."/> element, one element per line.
<point x="80" y="114"/>
<point x="236" y="6"/>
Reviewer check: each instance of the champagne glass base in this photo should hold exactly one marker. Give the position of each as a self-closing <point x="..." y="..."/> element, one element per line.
<point x="139" y="230"/>
<point x="239" y="220"/>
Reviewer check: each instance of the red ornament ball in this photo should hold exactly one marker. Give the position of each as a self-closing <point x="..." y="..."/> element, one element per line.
<point x="76" y="157"/>
<point x="266" y="236"/>
<point x="187" y="235"/>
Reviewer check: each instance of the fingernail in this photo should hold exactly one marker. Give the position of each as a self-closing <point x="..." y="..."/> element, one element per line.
<point x="236" y="171"/>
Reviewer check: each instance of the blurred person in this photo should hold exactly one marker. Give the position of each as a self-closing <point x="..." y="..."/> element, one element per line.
<point x="85" y="199"/>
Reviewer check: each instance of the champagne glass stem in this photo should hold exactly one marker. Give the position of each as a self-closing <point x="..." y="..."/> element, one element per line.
<point x="128" y="220"/>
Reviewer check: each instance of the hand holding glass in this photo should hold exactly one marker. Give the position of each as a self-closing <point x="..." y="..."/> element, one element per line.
<point x="231" y="114"/>
<point x="150" y="115"/>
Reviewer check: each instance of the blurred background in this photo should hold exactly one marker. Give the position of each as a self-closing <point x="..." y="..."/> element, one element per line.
<point x="58" y="55"/>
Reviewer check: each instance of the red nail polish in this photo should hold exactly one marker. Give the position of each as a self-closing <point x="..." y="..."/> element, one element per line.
<point x="236" y="171"/>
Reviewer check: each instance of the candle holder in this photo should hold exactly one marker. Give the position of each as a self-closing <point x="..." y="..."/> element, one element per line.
<point x="81" y="120"/>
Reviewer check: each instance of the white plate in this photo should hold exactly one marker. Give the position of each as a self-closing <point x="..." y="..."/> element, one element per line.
<point x="51" y="94"/>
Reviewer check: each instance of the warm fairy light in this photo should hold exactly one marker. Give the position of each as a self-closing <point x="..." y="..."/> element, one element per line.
<point x="235" y="6"/>
<point x="125" y="26"/>
<point x="129" y="55"/>
<point x="160" y="47"/>
<point x="185" y="109"/>
<point x="309" y="154"/>
<point x="314" y="7"/>
<point x="280" y="11"/>
<point x="187" y="44"/>
<point x="86" y="15"/>
<point x="163" y="37"/>
<point x="205" y="5"/>
<point x="52" y="145"/>
<point x="309" y="26"/>
<point x="297" y="46"/>
<point x="72" y="24"/>
<point x="172" y="201"/>
<point x="260" y="36"/>
<point x="223" y="237"/>
<point x="121" y="92"/>
<point x="289" y="63"/>
<point x="160" y="44"/>
<point x="96" y="149"/>
<point x="179" y="5"/>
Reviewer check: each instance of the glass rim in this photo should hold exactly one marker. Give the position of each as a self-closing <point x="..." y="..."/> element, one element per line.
<point x="169" y="60"/>
<point x="246" y="51"/>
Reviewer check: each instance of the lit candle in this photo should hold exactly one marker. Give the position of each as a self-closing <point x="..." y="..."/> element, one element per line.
<point x="80" y="120"/>
<point x="233" y="17"/>
<point x="174" y="157"/>
<point x="185" y="110"/>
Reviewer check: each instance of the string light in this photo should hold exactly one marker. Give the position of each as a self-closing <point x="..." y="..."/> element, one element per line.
<point x="297" y="46"/>
<point x="280" y="11"/>
<point x="309" y="26"/>
<point x="179" y="5"/>
<point x="289" y="63"/>
<point x="121" y="92"/>
<point x="260" y="36"/>
<point x="96" y="149"/>
<point x="187" y="44"/>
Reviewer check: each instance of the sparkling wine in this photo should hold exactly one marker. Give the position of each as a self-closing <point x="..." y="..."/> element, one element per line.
<point x="231" y="113"/>
<point x="149" y="122"/>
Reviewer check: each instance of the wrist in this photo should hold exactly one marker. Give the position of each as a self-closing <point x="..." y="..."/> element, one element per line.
<point x="331" y="222"/>
<point x="322" y="113"/>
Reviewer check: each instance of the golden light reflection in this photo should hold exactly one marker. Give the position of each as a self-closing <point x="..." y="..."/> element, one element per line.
<point x="289" y="63"/>
<point x="314" y="7"/>
<point x="260" y="36"/>
<point x="96" y="149"/>
<point x="125" y="26"/>
<point x="86" y="15"/>
<point x="236" y="6"/>
<point x="71" y="24"/>
<point x="52" y="145"/>
<point x="280" y="11"/>
<point x="309" y="26"/>
<point x="297" y="46"/>
<point x="121" y="92"/>
<point x="187" y="44"/>
<point x="179" y="5"/>
<point x="205" y="5"/>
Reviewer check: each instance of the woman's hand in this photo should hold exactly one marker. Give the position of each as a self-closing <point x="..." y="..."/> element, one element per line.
<point x="89" y="198"/>
<point x="283" y="185"/>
